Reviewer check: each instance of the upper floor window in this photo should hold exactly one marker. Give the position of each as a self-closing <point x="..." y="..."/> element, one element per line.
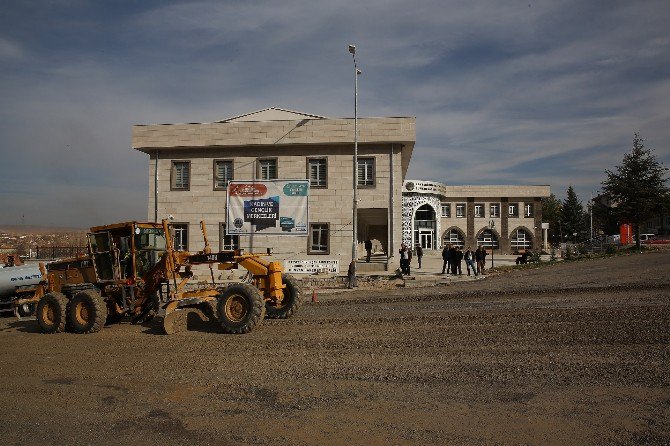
<point x="513" y="209"/>
<point x="317" y="172"/>
<point x="267" y="169"/>
<point x="180" y="175"/>
<point x="479" y="210"/>
<point x="446" y="210"/>
<point x="460" y="210"/>
<point x="223" y="173"/>
<point x="528" y="210"/>
<point x="494" y="210"/>
<point x="366" y="171"/>
<point x="180" y="236"/>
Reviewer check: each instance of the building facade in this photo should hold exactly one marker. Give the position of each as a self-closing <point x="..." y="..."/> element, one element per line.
<point x="190" y="166"/>
<point x="504" y="218"/>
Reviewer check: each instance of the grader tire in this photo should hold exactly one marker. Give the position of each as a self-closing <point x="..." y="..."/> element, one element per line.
<point x="291" y="302"/>
<point x="52" y="313"/>
<point x="87" y="312"/>
<point x="240" y="308"/>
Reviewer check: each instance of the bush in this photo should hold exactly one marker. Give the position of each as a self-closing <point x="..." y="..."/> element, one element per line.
<point x="610" y="248"/>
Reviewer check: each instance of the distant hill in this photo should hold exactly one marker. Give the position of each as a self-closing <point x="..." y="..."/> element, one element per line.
<point x="30" y="229"/>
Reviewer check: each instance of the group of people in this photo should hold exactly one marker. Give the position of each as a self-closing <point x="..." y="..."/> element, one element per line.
<point x="453" y="256"/>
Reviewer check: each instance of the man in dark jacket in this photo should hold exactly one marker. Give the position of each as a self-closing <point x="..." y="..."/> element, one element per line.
<point x="446" y="255"/>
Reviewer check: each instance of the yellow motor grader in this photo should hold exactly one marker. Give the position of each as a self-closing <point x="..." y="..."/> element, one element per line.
<point x="132" y="269"/>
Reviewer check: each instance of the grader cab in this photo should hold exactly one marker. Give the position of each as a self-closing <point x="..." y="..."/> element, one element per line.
<point x="132" y="269"/>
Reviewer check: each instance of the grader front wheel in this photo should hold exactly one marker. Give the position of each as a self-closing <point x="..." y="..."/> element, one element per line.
<point x="290" y="303"/>
<point x="240" y="308"/>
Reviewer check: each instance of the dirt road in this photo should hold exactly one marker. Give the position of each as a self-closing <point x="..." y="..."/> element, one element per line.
<point x="576" y="353"/>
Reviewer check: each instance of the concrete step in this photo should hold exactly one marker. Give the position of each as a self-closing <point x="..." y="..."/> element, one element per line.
<point x="364" y="267"/>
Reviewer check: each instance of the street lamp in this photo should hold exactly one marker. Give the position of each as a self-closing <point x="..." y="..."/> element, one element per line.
<point x="492" y="224"/>
<point x="354" y="220"/>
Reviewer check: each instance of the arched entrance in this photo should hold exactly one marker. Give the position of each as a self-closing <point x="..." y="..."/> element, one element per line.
<point x="454" y="237"/>
<point x="487" y="239"/>
<point x="521" y="239"/>
<point x="424" y="227"/>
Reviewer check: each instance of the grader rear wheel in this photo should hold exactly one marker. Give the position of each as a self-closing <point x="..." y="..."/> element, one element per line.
<point x="51" y="313"/>
<point x="87" y="312"/>
<point x="240" y="308"/>
<point x="291" y="302"/>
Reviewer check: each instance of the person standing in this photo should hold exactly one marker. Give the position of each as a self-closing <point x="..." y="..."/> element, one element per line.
<point x="478" y="259"/>
<point x="459" y="260"/>
<point x="368" y="249"/>
<point x="409" y="260"/>
<point x="470" y="262"/>
<point x="453" y="258"/>
<point x="445" y="257"/>
<point x="403" y="258"/>
<point x="419" y="254"/>
<point x="484" y="254"/>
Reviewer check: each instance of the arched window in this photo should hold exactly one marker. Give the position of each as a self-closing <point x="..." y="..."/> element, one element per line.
<point x="453" y="237"/>
<point x="424" y="227"/>
<point x="488" y="239"/>
<point x="521" y="239"/>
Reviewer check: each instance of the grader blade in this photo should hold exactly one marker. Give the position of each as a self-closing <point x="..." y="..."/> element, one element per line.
<point x="183" y="319"/>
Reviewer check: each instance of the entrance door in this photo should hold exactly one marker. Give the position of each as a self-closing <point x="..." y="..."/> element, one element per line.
<point x="426" y="238"/>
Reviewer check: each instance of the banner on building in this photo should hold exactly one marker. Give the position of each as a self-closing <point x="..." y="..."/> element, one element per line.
<point x="278" y="207"/>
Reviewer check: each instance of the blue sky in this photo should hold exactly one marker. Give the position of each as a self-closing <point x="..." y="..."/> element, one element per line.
<point x="504" y="92"/>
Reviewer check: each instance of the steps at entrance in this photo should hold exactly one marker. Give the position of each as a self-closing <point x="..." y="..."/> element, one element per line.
<point x="377" y="263"/>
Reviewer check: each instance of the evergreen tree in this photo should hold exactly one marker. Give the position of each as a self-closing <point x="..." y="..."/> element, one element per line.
<point x="637" y="188"/>
<point x="551" y="213"/>
<point x="573" y="217"/>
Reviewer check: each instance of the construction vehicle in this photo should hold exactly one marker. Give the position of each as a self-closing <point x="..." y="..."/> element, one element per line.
<point x="20" y="281"/>
<point x="132" y="269"/>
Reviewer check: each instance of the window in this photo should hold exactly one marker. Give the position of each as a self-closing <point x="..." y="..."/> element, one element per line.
<point x="180" y="236"/>
<point x="494" y="210"/>
<point x="317" y="172"/>
<point x="180" y="175"/>
<point x="460" y="210"/>
<point x="366" y="171"/>
<point x="223" y="173"/>
<point x="453" y="237"/>
<point x="479" y="210"/>
<point x="446" y="210"/>
<point x="488" y="239"/>
<point x="513" y="209"/>
<point x="528" y="210"/>
<point x="521" y="239"/>
<point x="267" y="169"/>
<point x="318" y="238"/>
<point x="227" y="242"/>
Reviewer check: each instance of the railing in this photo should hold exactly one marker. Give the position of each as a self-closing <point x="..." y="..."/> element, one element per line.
<point x="58" y="252"/>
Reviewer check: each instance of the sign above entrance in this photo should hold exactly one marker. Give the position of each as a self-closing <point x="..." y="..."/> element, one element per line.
<point x="278" y="207"/>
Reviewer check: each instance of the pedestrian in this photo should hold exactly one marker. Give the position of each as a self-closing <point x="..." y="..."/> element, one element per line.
<point x="484" y="254"/>
<point x="404" y="257"/>
<point x="453" y="257"/>
<point x="478" y="259"/>
<point x="459" y="259"/>
<point x="419" y="254"/>
<point x="470" y="262"/>
<point x="445" y="257"/>
<point x="368" y="249"/>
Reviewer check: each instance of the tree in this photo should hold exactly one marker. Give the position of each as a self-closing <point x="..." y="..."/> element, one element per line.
<point x="573" y="217"/>
<point x="551" y="213"/>
<point x="637" y="187"/>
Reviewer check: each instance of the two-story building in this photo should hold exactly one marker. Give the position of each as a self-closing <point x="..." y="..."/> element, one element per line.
<point x="191" y="165"/>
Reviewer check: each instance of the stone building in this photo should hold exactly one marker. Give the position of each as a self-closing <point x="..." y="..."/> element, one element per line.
<point x="190" y="166"/>
<point x="504" y="218"/>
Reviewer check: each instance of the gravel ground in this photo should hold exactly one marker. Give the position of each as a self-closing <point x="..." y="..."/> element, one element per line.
<point x="574" y="353"/>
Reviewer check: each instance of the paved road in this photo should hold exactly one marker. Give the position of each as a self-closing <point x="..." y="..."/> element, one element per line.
<point x="575" y="353"/>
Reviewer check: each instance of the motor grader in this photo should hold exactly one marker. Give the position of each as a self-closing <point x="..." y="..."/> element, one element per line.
<point x="132" y="269"/>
